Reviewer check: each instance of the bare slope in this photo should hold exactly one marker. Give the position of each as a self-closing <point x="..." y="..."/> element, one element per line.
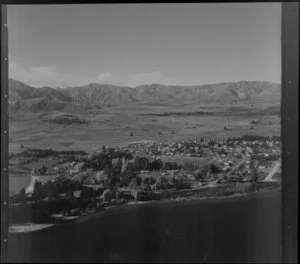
<point x="27" y="98"/>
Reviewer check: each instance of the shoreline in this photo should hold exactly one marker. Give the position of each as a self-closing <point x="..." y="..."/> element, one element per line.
<point x="117" y="209"/>
<point x="177" y="201"/>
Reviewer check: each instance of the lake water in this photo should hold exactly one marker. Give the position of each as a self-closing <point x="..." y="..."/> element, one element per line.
<point x="229" y="230"/>
<point x="17" y="182"/>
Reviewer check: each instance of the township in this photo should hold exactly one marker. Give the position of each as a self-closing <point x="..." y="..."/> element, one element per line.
<point x="71" y="183"/>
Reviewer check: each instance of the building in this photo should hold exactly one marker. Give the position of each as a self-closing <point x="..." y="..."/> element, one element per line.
<point x="35" y="177"/>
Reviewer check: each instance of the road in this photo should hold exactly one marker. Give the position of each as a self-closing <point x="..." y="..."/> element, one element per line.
<point x="212" y="183"/>
<point x="238" y="165"/>
<point x="273" y="171"/>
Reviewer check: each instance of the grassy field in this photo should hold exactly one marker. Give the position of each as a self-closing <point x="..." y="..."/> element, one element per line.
<point x="124" y="124"/>
<point x="131" y="123"/>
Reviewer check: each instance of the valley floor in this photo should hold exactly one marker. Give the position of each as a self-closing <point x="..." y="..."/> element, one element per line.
<point x="124" y="124"/>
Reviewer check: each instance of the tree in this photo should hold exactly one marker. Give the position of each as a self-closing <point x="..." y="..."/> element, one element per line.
<point x="20" y="197"/>
<point x="70" y="195"/>
<point x="199" y="176"/>
<point x="65" y="206"/>
<point x="113" y="181"/>
<point x="106" y="195"/>
<point x="103" y="149"/>
<point x="188" y="165"/>
<point x="152" y="180"/>
<point x="156" y="164"/>
<point x="123" y="167"/>
<point x="204" y="170"/>
<point x="42" y="170"/>
<point x="145" y="187"/>
<point x="181" y="184"/>
<point x="254" y="176"/>
<point x="119" y="166"/>
<point x="141" y="163"/>
<point x="214" y="168"/>
<point x="163" y="183"/>
<point x="38" y="192"/>
<point x="130" y="167"/>
<point x="124" y="179"/>
<point x="133" y="183"/>
<point x="210" y="143"/>
<point x="52" y="193"/>
<point x="138" y="181"/>
<point x="171" y="166"/>
<point x="22" y="193"/>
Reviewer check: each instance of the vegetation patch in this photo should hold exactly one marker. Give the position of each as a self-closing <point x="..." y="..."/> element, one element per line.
<point x="65" y="119"/>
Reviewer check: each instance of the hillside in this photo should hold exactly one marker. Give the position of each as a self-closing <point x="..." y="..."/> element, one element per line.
<point x="27" y="98"/>
<point x="21" y="91"/>
<point x="100" y="94"/>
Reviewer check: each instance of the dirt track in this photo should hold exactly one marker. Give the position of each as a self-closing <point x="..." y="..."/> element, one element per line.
<point x="273" y="171"/>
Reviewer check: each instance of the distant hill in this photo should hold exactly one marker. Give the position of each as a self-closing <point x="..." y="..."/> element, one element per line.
<point x="27" y="98"/>
<point x="19" y="91"/>
<point x="222" y="93"/>
<point x="55" y="85"/>
<point x="100" y="94"/>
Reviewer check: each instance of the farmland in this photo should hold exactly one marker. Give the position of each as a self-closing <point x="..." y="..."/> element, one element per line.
<point x="89" y="130"/>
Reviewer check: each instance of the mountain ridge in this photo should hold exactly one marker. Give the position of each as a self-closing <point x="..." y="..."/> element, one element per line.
<point x="94" y="94"/>
<point x="39" y="84"/>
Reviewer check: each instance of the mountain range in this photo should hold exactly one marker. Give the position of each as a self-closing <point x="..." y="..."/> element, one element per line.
<point x="38" y="84"/>
<point x="23" y="97"/>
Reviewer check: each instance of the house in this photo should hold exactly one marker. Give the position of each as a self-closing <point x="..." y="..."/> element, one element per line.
<point x="35" y="177"/>
<point x="101" y="176"/>
<point x="250" y="150"/>
<point x="77" y="193"/>
<point x="62" y="195"/>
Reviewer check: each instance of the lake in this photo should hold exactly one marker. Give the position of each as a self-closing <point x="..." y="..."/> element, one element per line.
<point x="17" y="182"/>
<point x="243" y="230"/>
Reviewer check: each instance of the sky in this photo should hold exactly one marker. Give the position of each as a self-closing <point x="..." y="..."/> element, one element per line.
<point x="135" y="44"/>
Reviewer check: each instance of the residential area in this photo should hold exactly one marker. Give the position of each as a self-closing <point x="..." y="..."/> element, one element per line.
<point x="65" y="185"/>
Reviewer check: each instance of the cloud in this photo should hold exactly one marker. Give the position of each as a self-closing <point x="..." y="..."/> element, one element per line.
<point x="152" y="77"/>
<point x="105" y="76"/>
<point x="44" y="71"/>
<point x="52" y="74"/>
<point x="18" y="72"/>
<point x="37" y="73"/>
<point x="42" y="74"/>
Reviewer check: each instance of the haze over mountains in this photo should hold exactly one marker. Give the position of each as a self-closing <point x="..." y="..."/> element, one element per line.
<point x="23" y="97"/>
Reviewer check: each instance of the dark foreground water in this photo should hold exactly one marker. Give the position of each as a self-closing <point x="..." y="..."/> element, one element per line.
<point x="229" y="230"/>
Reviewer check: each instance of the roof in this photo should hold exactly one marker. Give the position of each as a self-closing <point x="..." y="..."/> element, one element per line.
<point x="77" y="193"/>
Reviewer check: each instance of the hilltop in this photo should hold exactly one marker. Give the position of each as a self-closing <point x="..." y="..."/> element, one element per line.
<point x="23" y="97"/>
